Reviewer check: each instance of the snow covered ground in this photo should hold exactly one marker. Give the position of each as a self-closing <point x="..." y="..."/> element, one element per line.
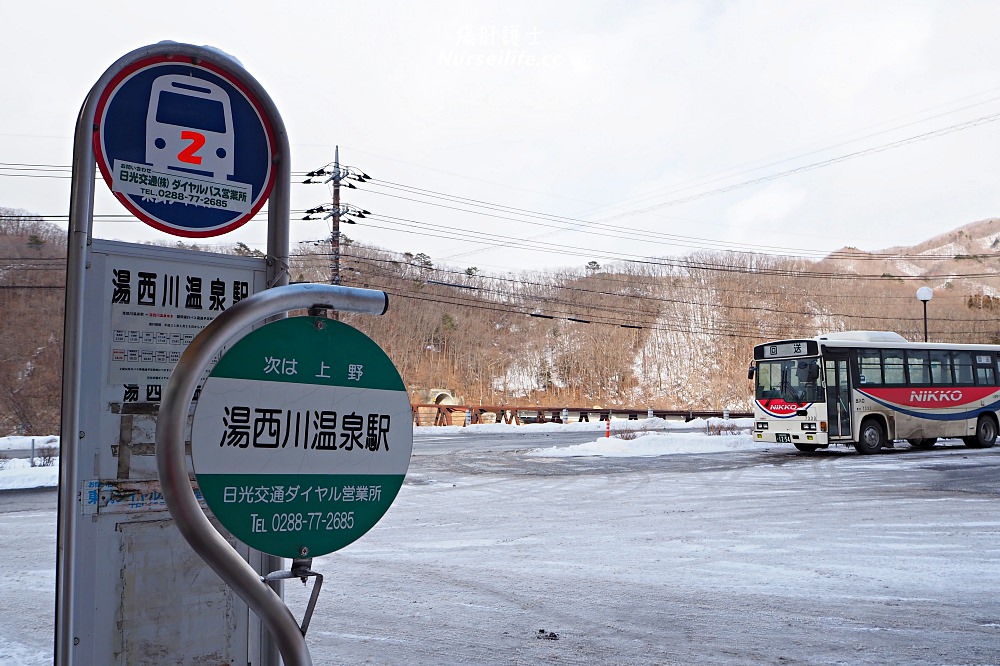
<point x="16" y="469"/>
<point x="653" y="437"/>
<point x="550" y="544"/>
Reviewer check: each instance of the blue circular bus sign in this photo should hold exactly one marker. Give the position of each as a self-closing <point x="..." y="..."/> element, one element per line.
<point x="184" y="145"/>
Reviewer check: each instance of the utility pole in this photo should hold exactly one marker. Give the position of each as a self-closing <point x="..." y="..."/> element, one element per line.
<point x="334" y="211"/>
<point x="335" y="226"/>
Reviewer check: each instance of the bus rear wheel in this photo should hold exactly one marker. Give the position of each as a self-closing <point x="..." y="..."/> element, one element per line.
<point x="986" y="433"/>
<point x="923" y="443"/>
<point x="872" y="437"/>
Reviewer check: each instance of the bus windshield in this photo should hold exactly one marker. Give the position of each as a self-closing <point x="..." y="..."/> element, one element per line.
<point x="191" y="111"/>
<point x="792" y="380"/>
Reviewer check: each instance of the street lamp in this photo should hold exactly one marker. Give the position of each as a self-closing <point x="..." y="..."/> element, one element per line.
<point x="925" y="294"/>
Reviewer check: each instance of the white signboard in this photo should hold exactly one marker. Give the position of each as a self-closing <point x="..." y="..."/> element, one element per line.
<point x="157" y="307"/>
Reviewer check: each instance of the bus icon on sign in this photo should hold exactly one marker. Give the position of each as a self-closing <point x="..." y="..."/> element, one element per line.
<point x="189" y="127"/>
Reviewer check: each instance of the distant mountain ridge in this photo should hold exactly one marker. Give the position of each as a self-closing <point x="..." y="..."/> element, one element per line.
<point x="967" y="257"/>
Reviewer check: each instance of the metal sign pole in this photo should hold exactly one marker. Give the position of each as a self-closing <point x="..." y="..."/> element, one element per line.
<point x="79" y="241"/>
<point x="81" y="215"/>
<point x="170" y="452"/>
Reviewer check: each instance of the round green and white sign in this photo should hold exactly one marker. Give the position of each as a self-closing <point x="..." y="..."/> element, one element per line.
<point x="302" y="437"/>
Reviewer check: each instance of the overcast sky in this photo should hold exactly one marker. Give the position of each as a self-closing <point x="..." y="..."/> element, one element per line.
<point x="681" y="125"/>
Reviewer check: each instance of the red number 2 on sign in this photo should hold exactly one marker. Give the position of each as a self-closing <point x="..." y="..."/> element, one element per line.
<point x="190" y="154"/>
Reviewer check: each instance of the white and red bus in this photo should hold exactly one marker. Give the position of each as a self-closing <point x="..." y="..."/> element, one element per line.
<point x="871" y="388"/>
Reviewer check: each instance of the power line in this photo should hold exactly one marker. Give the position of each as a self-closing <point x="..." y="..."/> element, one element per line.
<point x="817" y="165"/>
<point x="740" y="330"/>
<point x="656" y="301"/>
<point x="441" y="231"/>
<point x="645" y="236"/>
<point x="628" y="281"/>
<point x="699" y="242"/>
<point x="683" y="241"/>
<point x="711" y="178"/>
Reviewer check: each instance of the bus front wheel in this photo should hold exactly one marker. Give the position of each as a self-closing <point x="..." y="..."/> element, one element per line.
<point x="872" y="437"/>
<point x="986" y="433"/>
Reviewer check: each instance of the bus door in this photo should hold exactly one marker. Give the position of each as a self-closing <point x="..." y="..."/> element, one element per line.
<point x="838" y="395"/>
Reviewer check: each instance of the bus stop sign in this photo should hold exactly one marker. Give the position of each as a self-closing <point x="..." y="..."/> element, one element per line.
<point x="184" y="145"/>
<point x="302" y="436"/>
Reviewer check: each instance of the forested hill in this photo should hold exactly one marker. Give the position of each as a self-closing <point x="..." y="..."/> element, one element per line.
<point x="674" y="334"/>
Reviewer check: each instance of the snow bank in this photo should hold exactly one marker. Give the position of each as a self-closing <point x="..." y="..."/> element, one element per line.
<point x="18" y="474"/>
<point x="617" y="425"/>
<point x="24" y="443"/>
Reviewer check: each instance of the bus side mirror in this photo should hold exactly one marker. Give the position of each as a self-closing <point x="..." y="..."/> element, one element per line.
<point x="751" y="371"/>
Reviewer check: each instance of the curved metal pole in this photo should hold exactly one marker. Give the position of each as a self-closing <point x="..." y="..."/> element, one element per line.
<point x="171" y="464"/>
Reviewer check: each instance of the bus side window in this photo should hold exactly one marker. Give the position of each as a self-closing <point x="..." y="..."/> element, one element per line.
<point x="893" y="359"/>
<point x="918" y="366"/>
<point x="870" y="364"/>
<point x="963" y="368"/>
<point x="941" y="368"/>
<point x="985" y="370"/>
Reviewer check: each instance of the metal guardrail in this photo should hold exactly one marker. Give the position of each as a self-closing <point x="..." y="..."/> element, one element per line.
<point x="441" y="415"/>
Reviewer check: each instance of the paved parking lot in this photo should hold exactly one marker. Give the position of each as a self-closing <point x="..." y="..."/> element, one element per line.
<point x="734" y="558"/>
<point x="491" y="555"/>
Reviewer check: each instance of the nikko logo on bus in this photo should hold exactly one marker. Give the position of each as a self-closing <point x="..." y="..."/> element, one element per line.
<point x="937" y="396"/>
<point x="780" y="408"/>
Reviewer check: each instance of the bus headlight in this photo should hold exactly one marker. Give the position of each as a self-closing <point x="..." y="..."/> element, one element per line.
<point x="809" y="425"/>
<point x="761" y="425"/>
